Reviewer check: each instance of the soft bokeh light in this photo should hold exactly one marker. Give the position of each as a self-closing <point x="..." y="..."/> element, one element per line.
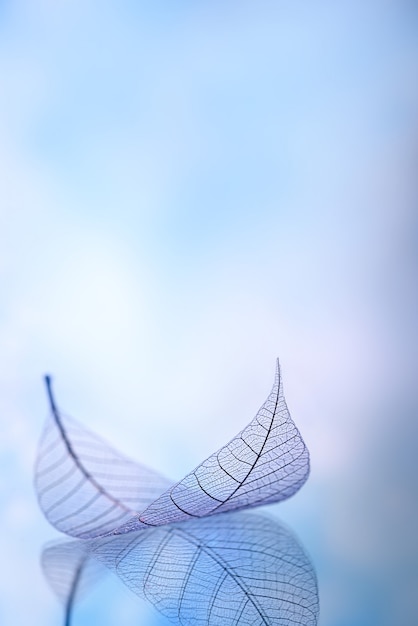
<point x="187" y="192"/>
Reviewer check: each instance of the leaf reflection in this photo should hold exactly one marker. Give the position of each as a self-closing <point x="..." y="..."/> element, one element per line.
<point x="70" y="571"/>
<point x="233" y="569"/>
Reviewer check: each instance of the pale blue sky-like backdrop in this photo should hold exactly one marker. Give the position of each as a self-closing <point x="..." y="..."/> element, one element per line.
<point x="187" y="191"/>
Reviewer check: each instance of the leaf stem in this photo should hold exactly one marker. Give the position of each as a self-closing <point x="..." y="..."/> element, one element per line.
<point x="48" y="383"/>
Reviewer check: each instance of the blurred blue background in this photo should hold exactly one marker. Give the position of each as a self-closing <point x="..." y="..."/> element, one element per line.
<point x="189" y="190"/>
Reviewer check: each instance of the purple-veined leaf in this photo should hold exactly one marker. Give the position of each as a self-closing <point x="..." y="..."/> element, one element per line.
<point x="266" y="462"/>
<point x="84" y="486"/>
<point x="87" y="489"/>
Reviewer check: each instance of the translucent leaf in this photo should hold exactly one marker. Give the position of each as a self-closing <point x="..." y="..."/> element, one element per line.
<point x="266" y="462"/>
<point x="84" y="486"/>
<point x="231" y="570"/>
<point x="87" y="489"/>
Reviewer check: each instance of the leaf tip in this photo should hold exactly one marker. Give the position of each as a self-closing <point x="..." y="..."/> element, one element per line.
<point x="278" y="371"/>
